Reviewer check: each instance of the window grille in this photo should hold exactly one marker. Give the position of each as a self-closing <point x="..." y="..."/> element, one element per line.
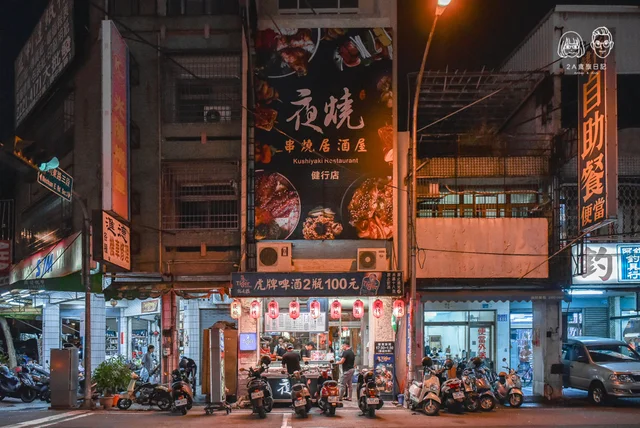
<point x="320" y="7"/>
<point x="200" y="196"/>
<point x="207" y="90"/>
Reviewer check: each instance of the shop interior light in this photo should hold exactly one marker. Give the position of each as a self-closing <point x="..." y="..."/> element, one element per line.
<point x="254" y="310"/>
<point x="273" y="309"/>
<point x="398" y="308"/>
<point x="294" y="309"/>
<point x="358" y="309"/>
<point x="586" y="292"/>
<point x="236" y="309"/>
<point x="314" y="309"/>
<point x="378" y="307"/>
<point x="336" y="310"/>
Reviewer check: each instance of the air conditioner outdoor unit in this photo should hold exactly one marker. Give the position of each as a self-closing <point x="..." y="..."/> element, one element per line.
<point x="372" y="259"/>
<point x="274" y="257"/>
<point x="213" y="114"/>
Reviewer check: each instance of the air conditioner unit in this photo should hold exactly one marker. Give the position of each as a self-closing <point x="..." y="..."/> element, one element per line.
<point x="274" y="257"/>
<point x="372" y="259"/>
<point x="213" y="114"/>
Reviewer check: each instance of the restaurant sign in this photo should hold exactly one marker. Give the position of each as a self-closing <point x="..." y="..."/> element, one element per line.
<point x="606" y="264"/>
<point x="597" y="142"/>
<point x="114" y="245"/>
<point x="293" y="284"/>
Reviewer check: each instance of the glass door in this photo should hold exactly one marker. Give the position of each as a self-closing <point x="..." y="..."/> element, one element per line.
<point x="481" y="342"/>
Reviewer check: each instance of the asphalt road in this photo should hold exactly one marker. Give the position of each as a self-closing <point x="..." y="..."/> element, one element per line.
<point x="349" y="418"/>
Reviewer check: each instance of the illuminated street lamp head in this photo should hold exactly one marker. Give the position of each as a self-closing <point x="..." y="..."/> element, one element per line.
<point x="442" y="4"/>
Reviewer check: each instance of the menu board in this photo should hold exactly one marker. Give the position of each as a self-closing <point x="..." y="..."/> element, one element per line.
<point x="304" y="323"/>
<point x="385" y="348"/>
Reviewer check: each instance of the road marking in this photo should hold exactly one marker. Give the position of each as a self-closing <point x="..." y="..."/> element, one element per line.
<point x="39" y="422"/>
<point x="285" y="420"/>
<point x="65" y="420"/>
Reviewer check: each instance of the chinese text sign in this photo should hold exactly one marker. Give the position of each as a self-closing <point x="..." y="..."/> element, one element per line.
<point x="606" y="264"/>
<point x="114" y="247"/>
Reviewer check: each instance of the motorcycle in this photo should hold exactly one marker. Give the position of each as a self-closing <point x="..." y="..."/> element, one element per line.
<point x="508" y="387"/>
<point x="31" y="390"/>
<point x="471" y="401"/>
<point x="368" y="394"/>
<point x="329" y="398"/>
<point x="486" y="398"/>
<point x="300" y="395"/>
<point x="259" y="389"/>
<point x="426" y="395"/>
<point x="144" y="393"/>
<point x="181" y="392"/>
<point x="12" y="386"/>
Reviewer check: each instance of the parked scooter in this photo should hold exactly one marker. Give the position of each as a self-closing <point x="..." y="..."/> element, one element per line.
<point x="452" y="390"/>
<point x="181" y="392"/>
<point x="329" y="398"/>
<point x="368" y="394"/>
<point x="31" y="391"/>
<point x="11" y="386"/>
<point x="425" y="395"/>
<point x="300" y="395"/>
<point x="259" y="389"/>
<point x="145" y="393"/>
<point x="486" y="398"/>
<point x="508" y="387"/>
<point x="471" y="400"/>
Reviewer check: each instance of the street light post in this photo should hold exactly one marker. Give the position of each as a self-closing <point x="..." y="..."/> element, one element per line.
<point x="413" y="198"/>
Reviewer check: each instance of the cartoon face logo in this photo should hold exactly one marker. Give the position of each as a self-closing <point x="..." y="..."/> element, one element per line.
<point x="571" y="45"/>
<point x="602" y="42"/>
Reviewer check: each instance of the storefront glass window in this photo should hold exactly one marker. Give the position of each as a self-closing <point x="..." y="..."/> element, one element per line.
<point x="475" y="316"/>
<point x="574" y="323"/>
<point x="445" y="316"/>
<point x="631" y="332"/>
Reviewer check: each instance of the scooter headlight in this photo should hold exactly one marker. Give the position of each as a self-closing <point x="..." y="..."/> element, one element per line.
<point x="434" y="388"/>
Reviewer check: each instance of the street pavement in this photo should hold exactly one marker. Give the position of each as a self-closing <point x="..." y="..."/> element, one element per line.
<point x="625" y="414"/>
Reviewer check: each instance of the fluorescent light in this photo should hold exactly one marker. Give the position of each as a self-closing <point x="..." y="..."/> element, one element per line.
<point x="586" y="292"/>
<point x="5" y="293"/>
<point x="24" y="291"/>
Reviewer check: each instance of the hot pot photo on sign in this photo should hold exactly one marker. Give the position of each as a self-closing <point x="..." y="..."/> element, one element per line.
<point x="370" y="208"/>
<point x="277" y="206"/>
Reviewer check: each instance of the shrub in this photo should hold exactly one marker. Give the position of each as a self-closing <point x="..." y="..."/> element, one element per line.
<point x="112" y="376"/>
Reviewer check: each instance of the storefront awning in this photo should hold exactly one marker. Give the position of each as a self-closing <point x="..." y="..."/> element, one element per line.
<point x="139" y="285"/>
<point x="494" y="295"/>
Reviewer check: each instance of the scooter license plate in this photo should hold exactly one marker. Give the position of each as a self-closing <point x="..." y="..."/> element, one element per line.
<point x="182" y="402"/>
<point x="334" y="399"/>
<point x="373" y="400"/>
<point x="300" y="402"/>
<point x="457" y="395"/>
<point x="257" y="394"/>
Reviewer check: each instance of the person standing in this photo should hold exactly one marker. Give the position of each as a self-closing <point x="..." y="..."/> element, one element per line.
<point x="348" y="367"/>
<point x="291" y="360"/>
<point x="306" y="352"/>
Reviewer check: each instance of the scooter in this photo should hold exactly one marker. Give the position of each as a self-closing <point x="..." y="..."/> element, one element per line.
<point x="329" y="398"/>
<point x="300" y="395"/>
<point x="181" y="392"/>
<point x="259" y="389"/>
<point x="452" y="390"/>
<point x="368" y="395"/>
<point x="144" y="393"/>
<point x="426" y="395"/>
<point x="508" y="387"/>
<point x="31" y="391"/>
<point x="471" y="400"/>
<point x="12" y="386"/>
<point x="486" y="398"/>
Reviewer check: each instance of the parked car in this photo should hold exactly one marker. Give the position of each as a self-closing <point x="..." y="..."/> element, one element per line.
<point x="607" y="368"/>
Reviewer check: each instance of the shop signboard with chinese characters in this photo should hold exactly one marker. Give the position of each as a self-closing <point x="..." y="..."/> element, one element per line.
<point x="597" y="141"/>
<point x="58" y="182"/>
<point x="482" y="342"/>
<point x="294" y="284"/>
<point x="606" y="264"/>
<point x="115" y="122"/>
<point x="114" y="243"/>
<point x="324" y="134"/>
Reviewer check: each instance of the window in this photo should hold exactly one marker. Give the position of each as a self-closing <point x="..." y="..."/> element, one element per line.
<point x="579" y="354"/>
<point x="43" y="224"/>
<point x="204" y="89"/>
<point x="202" y="7"/>
<point x="203" y="196"/>
<point x="612" y="354"/>
<point x="319" y="7"/>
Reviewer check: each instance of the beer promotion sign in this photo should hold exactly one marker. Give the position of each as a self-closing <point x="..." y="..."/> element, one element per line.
<point x="324" y="134"/>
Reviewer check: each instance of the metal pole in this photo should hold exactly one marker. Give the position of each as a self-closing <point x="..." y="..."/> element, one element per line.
<point x="86" y="282"/>
<point x="413" y="199"/>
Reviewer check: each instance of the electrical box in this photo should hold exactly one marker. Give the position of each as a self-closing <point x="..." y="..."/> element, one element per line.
<point x="64" y="378"/>
<point x="217" y="386"/>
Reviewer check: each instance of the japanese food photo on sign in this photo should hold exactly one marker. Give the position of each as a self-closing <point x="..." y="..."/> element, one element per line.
<point x="323" y="134"/>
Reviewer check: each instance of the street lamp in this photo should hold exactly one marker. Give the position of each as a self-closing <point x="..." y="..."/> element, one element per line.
<point x="413" y="197"/>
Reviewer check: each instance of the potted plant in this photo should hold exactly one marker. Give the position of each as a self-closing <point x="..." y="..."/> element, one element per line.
<point x="111" y="376"/>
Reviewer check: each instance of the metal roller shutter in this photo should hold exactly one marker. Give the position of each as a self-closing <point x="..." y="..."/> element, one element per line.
<point x="596" y="322"/>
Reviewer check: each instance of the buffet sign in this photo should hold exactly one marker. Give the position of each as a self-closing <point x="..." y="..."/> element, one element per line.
<point x="324" y="134"/>
<point x="295" y="284"/>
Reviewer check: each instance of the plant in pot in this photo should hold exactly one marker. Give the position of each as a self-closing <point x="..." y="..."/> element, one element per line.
<point x="111" y="376"/>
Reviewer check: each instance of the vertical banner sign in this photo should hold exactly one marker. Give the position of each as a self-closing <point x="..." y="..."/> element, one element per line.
<point x="597" y="141"/>
<point x="115" y="122"/>
<point x="324" y="134"/>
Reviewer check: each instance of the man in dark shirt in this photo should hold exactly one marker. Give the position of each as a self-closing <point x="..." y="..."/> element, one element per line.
<point x="348" y="367"/>
<point x="306" y="352"/>
<point x="291" y="360"/>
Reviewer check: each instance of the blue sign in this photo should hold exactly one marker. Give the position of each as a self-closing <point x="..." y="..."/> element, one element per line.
<point x="258" y="284"/>
<point x="58" y="182"/>
<point x="502" y="317"/>
<point x="248" y="341"/>
<point x="44" y="265"/>
<point x="629" y="262"/>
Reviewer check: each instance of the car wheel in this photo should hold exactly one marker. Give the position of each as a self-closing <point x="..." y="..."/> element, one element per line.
<point x="597" y="393"/>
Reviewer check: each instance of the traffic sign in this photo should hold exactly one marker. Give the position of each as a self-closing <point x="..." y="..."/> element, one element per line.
<point x="57" y="181"/>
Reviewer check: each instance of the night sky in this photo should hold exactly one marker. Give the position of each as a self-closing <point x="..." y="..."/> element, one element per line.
<point x="470" y="34"/>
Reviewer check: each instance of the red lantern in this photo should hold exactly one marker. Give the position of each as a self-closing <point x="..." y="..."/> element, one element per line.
<point x="314" y="309"/>
<point x="294" y="309"/>
<point x="377" y="308"/>
<point x="336" y="310"/>
<point x="273" y="309"/>
<point x="398" y="308"/>
<point x="254" y="310"/>
<point x="236" y="309"/>
<point x="358" y="309"/>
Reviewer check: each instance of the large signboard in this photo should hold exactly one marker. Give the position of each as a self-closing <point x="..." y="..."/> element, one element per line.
<point x="112" y="244"/>
<point x="597" y="141"/>
<point x="324" y="134"/>
<point x="296" y="284"/>
<point x="606" y="264"/>
<point x="44" y="57"/>
<point x="115" y="122"/>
